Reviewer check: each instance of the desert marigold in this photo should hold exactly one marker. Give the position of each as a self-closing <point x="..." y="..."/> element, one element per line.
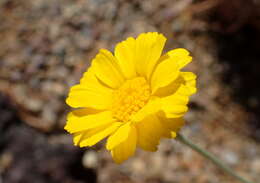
<point x="135" y="97"/>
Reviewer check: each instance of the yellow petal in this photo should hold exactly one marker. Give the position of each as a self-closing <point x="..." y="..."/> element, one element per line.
<point x="175" y="106"/>
<point x="77" y="123"/>
<point x="190" y="81"/>
<point x="175" y="111"/>
<point x="119" y="136"/>
<point x="187" y="79"/>
<point x="166" y="72"/>
<point x="150" y="131"/>
<point x="152" y="107"/>
<point x="107" y="70"/>
<point x="86" y="96"/>
<point x="93" y="136"/>
<point x="127" y="148"/>
<point x="90" y="93"/>
<point x="149" y="47"/>
<point x="172" y="124"/>
<point x="77" y="137"/>
<point x="181" y="56"/>
<point x="170" y="89"/>
<point x="125" y="54"/>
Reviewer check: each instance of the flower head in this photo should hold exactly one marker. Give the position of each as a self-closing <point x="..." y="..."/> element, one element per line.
<point x="133" y="98"/>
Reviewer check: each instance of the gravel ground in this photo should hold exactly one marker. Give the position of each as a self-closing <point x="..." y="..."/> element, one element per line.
<point x="46" y="45"/>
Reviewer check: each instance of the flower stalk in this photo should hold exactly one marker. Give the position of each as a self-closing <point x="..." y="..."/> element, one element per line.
<point x="211" y="157"/>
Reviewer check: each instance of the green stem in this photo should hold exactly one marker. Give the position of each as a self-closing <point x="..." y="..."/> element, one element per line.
<point x="211" y="157"/>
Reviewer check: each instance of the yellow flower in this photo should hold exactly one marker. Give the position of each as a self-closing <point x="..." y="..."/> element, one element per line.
<point x="134" y="97"/>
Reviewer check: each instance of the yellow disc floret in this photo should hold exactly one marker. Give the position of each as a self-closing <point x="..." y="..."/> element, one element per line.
<point x="130" y="98"/>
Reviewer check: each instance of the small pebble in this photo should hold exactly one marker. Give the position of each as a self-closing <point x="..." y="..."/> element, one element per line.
<point x="90" y="159"/>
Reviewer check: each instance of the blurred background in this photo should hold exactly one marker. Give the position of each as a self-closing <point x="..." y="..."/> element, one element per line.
<point x="46" y="45"/>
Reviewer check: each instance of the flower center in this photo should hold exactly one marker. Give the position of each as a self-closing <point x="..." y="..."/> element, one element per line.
<point x="130" y="98"/>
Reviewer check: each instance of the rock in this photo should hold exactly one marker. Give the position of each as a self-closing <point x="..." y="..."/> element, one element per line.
<point x="229" y="157"/>
<point x="90" y="159"/>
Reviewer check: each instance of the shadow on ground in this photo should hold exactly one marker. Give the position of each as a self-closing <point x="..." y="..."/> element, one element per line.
<point x="240" y="53"/>
<point x="29" y="155"/>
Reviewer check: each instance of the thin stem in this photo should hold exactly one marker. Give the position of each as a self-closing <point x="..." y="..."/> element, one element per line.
<point x="211" y="157"/>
